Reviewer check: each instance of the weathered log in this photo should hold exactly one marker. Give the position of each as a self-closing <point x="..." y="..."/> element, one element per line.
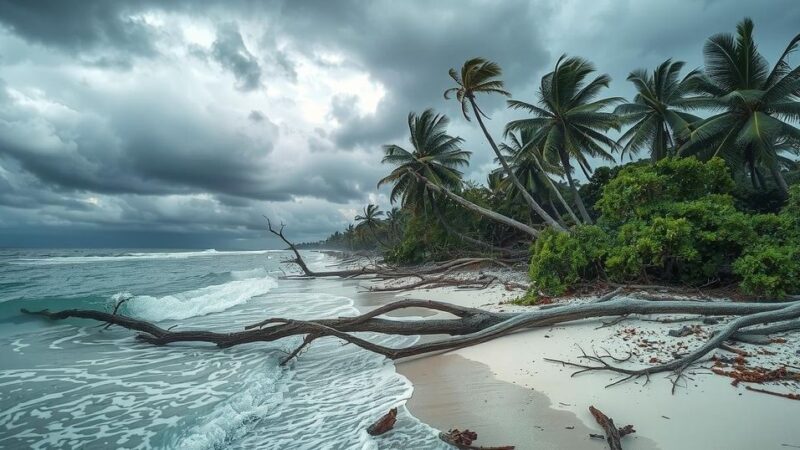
<point x="464" y="439"/>
<point x="473" y="326"/>
<point x="613" y="434"/>
<point x="384" y="424"/>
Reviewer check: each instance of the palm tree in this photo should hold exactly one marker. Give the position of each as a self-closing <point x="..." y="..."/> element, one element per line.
<point x="526" y="159"/>
<point x="569" y="123"/>
<point x="657" y="112"/>
<point x="393" y="218"/>
<point x="758" y="104"/>
<point x="350" y="236"/>
<point x="481" y="76"/>
<point x="370" y="219"/>
<point x="435" y="155"/>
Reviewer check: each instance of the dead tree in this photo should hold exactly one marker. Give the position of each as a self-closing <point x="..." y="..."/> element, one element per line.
<point x="383" y="272"/>
<point x="469" y="327"/>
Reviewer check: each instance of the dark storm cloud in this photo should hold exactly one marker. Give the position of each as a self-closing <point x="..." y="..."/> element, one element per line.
<point x="230" y="51"/>
<point x="80" y="25"/>
<point x="410" y="49"/>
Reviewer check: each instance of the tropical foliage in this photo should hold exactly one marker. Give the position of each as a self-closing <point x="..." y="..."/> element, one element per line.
<point x="753" y="131"/>
<point x="714" y="200"/>
<point x="569" y="121"/>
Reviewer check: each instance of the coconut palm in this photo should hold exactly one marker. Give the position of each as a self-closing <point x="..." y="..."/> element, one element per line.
<point x="481" y="76"/>
<point x="394" y="221"/>
<point x="658" y="111"/>
<point x="435" y="155"/>
<point x="529" y="166"/>
<point x="370" y="219"/>
<point x="758" y="105"/>
<point x="569" y="123"/>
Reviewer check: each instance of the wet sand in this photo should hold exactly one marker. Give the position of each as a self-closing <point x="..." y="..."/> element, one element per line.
<point x="451" y="391"/>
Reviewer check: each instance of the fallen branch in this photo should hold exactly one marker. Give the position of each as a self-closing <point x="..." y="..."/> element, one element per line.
<point x="473" y="326"/>
<point x="613" y="434"/>
<point x="777" y="394"/>
<point x="789" y="311"/>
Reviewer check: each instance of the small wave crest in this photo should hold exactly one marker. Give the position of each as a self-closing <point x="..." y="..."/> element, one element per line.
<point x="246" y="284"/>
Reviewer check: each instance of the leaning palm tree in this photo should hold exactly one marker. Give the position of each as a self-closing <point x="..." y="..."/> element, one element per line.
<point x="758" y="105"/>
<point x="657" y="114"/>
<point x="481" y="76"/>
<point x="569" y="123"/>
<point x="434" y="154"/>
<point x="534" y="172"/>
<point x="394" y="219"/>
<point x="370" y="219"/>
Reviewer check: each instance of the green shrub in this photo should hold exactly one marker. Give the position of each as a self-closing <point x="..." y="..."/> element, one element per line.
<point x="675" y="221"/>
<point x="645" y="190"/>
<point x="560" y="259"/>
<point x="770" y="265"/>
<point x="770" y="270"/>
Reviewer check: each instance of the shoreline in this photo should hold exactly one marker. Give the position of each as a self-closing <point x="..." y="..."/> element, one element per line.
<point x="507" y="393"/>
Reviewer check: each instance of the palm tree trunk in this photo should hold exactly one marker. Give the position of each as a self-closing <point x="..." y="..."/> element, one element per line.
<point x="578" y="200"/>
<point x="525" y="194"/>
<point x="556" y="213"/>
<point x="556" y="190"/>
<point x="478" y="243"/>
<point x="497" y="217"/>
<point x="375" y="236"/>
<point x="779" y="180"/>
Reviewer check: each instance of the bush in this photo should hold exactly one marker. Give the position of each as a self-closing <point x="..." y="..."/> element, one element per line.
<point x="771" y="265"/>
<point x="675" y="221"/>
<point x="639" y="192"/>
<point x="769" y="269"/>
<point x="560" y="259"/>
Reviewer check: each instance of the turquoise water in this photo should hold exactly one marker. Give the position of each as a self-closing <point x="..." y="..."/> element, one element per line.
<point x="73" y="384"/>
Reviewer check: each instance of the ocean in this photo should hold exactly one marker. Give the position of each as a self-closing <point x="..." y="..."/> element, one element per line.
<point x="74" y="384"/>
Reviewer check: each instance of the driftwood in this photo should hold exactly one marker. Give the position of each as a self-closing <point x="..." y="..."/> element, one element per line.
<point x="747" y="323"/>
<point x="464" y="439"/>
<point x="613" y="434"/>
<point x="470" y="326"/>
<point x="777" y="394"/>
<point x="383" y="272"/>
<point x="384" y="424"/>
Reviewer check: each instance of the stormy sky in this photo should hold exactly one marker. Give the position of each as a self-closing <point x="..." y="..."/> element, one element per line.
<point x="183" y="123"/>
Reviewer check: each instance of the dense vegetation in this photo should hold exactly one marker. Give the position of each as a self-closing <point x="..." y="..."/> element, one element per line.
<point x="715" y="201"/>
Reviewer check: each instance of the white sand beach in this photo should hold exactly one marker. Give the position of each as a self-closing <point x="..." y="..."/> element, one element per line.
<point x="506" y="391"/>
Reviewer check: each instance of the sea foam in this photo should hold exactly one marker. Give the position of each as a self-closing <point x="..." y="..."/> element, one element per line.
<point x="199" y="302"/>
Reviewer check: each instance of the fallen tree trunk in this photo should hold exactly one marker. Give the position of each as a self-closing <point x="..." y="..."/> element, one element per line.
<point x="471" y="326"/>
